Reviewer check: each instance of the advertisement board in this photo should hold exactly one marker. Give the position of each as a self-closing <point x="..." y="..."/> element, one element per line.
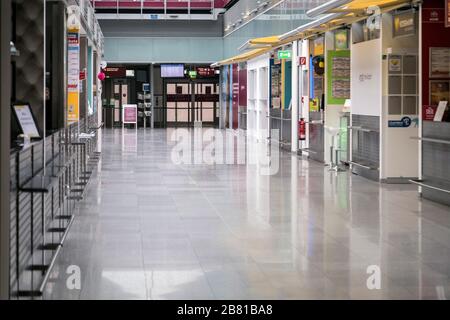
<point x="130" y="113"/>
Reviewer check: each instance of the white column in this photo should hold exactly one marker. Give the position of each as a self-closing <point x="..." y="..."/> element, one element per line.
<point x="295" y="98"/>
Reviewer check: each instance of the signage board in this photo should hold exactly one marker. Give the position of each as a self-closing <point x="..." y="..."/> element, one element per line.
<point x="303" y="61"/>
<point x="130" y="113"/>
<point x="193" y="74"/>
<point x="284" y="54"/>
<point x="115" y="72"/>
<point x="405" y="122"/>
<point x="73" y="76"/>
<point x="428" y="112"/>
<point x="26" y="120"/>
<point x="405" y="23"/>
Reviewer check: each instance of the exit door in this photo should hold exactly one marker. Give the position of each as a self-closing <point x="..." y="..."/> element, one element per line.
<point x="121" y="97"/>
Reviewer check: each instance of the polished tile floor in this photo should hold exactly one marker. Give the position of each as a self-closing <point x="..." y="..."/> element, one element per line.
<point x="152" y="229"/>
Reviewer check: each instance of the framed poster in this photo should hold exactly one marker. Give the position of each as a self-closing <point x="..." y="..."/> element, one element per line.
<point x="338" y="77"/>
<point x="341" y="39"/>
<point x="27" y="122"/>
<point x="439" y="62"/>
<point x="447" y="13"/>
<point x="439" y="91"/>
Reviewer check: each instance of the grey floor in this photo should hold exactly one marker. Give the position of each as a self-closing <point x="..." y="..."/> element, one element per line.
<point x="151" y="229"/>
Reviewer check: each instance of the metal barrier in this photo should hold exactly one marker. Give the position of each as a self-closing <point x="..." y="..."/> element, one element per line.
<point x="45" y="187"/>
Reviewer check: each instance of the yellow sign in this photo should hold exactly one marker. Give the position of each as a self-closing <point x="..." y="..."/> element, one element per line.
<point x="319" y="46"/>
<point x="73" y="108"/>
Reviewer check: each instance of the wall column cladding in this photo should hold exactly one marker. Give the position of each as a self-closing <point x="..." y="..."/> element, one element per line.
<point x="30" y="65"/>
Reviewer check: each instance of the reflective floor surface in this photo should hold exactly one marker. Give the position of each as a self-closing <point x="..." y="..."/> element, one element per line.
<point x="150" y="228"/>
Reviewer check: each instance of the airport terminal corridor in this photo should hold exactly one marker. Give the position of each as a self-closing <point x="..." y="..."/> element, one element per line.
<point x="151" y="229"/>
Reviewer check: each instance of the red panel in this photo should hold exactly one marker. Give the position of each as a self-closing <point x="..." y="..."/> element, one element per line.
<point x="235" y="96"/>
<point x="243" y="88"/>
<point x="171" y="4"/>
<point x="434" y="34"/>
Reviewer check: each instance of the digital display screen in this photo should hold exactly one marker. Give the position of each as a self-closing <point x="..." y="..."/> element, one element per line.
<point x="172" y="71"/>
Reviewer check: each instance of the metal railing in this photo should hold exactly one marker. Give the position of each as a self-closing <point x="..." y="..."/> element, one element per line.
<point x="47" y="179"/>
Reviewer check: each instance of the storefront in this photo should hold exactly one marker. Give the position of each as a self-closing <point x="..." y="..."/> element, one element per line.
<point x="434" y="134"/>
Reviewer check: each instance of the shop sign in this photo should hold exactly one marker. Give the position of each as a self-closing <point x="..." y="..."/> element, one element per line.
<point x="284" y="54"/>
<point x="428" y="112"/>
<point x="405" y="122"/>
<point x="405" y="24"/>
<point x="73" y="76"/>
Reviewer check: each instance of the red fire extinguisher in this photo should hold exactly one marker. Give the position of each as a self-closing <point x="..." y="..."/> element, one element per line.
<point x="302" y="129"/>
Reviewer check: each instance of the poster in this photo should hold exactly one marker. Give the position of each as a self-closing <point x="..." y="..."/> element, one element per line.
<point x="447" y="13"/>
<point x="129" y="113"/>
<point x="439" y="62"/>
<point x="319" y="46"/>
<point x="395" y="64"/>
<point x="405" y="24"/>
<point x="439" y="91"/>
<point x="341" y="40"/>
<point x="338" y="77"/>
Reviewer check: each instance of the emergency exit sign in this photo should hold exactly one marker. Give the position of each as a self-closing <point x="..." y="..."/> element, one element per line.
<point x="285" y="54"/>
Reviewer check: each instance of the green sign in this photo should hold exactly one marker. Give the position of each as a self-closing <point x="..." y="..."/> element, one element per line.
<point x="193" y="74"/>
<point x="284" y="54"/>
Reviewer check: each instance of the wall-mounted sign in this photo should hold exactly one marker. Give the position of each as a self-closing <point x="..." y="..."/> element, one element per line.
<point x="431" y="15"/>
<point x="26" y="120"/>
<point x="395" y="63"/>
<point x="83" y="74"/>
<point x="303" y="61"/>
<point x="319" y="46"/>
<point x="405" y="23"/>
<point x="284" y="54"/>
<point x="439" y="62"/>
<point x="73" y="75"/>
<point x="193" y="74"/>
<point x="341" y="39"/>
<point x="405" y="122"/>
<point x="428" y="113"/>
<point x="439" y="91"/>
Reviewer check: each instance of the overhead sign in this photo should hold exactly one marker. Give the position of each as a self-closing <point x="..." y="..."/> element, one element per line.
<point x="115" y="72"/>
<point x="284" y="54"/>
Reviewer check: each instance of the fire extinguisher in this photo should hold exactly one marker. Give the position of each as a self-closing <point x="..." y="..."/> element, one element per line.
<point x="302" y="129"/>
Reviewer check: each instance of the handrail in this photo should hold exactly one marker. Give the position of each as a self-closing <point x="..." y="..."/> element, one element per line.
<point x="420" y="183"/>
<point x="359" y="128"/>
<point x="432" y="140"/>
<point x="362" y="165"/>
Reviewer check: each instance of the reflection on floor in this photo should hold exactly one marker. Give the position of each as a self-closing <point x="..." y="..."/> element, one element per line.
<point x="151" y="229"/>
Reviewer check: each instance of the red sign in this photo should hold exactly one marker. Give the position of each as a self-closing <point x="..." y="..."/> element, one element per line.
<point x="83" y="75"/>
<point x="433" y="15"/>
<point x="206" y="72"/>
<point x="302" y="61"/>
<point x="115" y="72"/>
<point x="428" y="113"/>
<point x="130" y="114"/>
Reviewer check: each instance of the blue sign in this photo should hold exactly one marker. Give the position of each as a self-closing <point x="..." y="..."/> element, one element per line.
<point x="404" y="123"/>
<point x="153" y="17"/>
